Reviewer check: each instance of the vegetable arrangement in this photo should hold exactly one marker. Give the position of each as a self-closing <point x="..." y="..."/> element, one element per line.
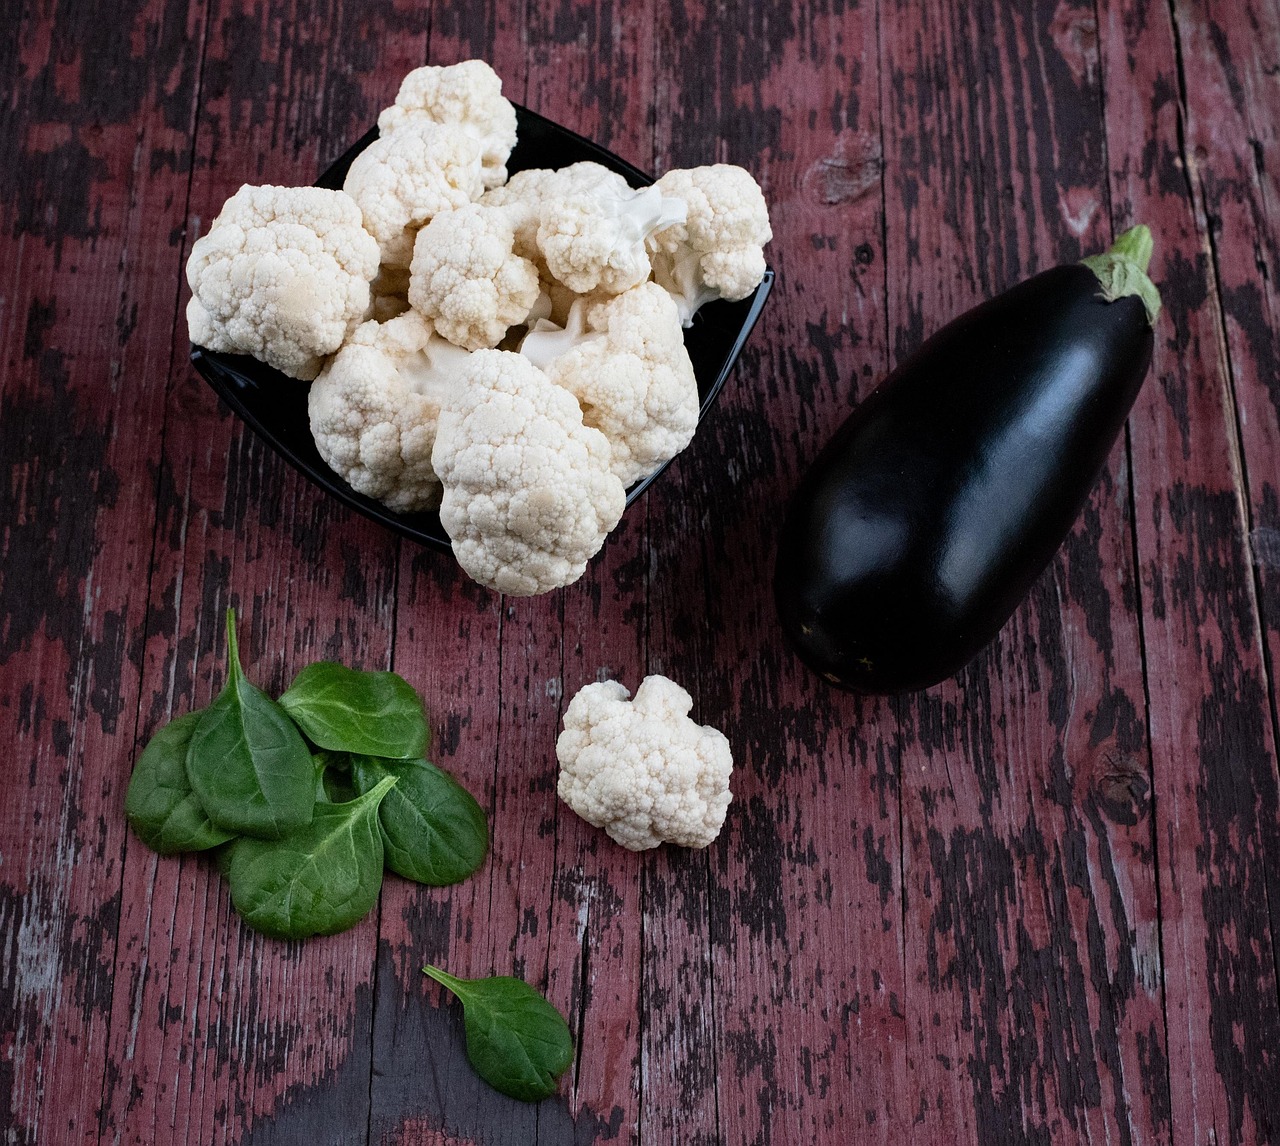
<point x="508" y="351"/>
<point x="308" y="796"/>
<point x="939" y="502"/>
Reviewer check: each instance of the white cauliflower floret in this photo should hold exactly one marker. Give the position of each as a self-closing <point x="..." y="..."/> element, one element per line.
<point x="595" y="239"/>
<point x="466" y="277"/>
<point x="283" y="274"/>
<point x="718" y="251"/>
<point x="375" y="407"/>
<point x="528" y="494"/>
<point x="468" y="95"/>
<point x="536" y="186"/>
<point x="641" y="769"/>
<point x="404" y="179"/>
<point x="625" y="361"/>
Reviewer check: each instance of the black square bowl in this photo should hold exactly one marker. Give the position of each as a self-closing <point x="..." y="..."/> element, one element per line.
<point x="275" y="406"/>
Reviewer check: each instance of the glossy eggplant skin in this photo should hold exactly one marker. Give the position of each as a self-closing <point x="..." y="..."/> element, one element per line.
<point x="930" y="514"/>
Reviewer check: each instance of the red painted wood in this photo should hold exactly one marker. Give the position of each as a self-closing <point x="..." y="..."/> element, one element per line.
<point x="93" y="182"/>
<point x="1026" y="905"/>
<point x="1212" y="738"/>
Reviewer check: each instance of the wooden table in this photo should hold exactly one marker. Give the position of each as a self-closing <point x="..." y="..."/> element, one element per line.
<point x="1035" y="904"/>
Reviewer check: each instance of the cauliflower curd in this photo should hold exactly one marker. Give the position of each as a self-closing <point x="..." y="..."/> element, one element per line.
<point x="508" y="350"/>
<point x="642" y="769"/>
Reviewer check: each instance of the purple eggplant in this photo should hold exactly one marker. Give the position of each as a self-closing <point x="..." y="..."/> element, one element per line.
<point x="930" y="514"/>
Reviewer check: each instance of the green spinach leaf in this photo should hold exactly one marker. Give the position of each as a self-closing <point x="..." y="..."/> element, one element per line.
<point x="433" y="831"/>
<point x="319" y="880"/>
<point x="247" y="763"/>
<point x="376" y="713"/>
<point x="161" y="807"/>
<point x="517" y="1041"/>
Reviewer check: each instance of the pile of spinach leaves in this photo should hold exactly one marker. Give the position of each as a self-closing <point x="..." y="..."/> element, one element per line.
<point x="310" y="796"/>
<point x="306" y="800"/>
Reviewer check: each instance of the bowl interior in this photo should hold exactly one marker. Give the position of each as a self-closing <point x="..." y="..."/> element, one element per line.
<point x="276" y="406"/>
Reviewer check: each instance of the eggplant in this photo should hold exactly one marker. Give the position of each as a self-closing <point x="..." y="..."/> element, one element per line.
<point x="932" y="511"/>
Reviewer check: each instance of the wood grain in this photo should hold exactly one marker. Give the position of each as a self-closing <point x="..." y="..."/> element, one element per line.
<point x="1032" y="904"/>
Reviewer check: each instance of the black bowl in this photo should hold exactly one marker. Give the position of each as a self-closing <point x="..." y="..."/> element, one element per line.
<point x="276" y="406"/>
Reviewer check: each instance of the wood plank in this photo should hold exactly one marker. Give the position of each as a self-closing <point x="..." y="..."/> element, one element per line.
<point x="218" y="1032"/>
<point x="785" y="955"/>
<point x="1231" y="103"/>
<point x="1033" y="964"/>
<point x="90" y="194"/>
<point x="1211" y="734"/>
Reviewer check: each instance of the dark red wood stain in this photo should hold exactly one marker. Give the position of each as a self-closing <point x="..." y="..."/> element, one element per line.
<point x="1034" y="904"/>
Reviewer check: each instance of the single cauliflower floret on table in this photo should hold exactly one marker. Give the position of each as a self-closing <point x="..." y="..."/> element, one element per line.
<point x="466" y="277"/>
<point x="625" y="361"/>
<point x="283" y="274"/>
<point x="594" y="239"/>
<point x="375" y="407"/>
<point x="642" y="769"/>
<point x="528" y="493"/>
<point x="466" y="95"/>
<point x="717" y="252"/>
<point x="402" y="180"/>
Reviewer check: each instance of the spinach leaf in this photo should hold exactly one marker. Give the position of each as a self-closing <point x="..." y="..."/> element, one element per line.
<point x="376" y="713"/>
<point x="433" y="831"/>
<point x="517" y="1041"/>
<point x="319" y="880"/>
<point x="247" y="763"/>
<point x="161" y="807"/>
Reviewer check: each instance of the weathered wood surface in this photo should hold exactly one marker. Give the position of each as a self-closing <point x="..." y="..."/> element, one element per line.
<point x="1033" y="904"/>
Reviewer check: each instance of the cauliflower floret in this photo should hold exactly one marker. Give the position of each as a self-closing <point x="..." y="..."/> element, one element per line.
<point x="536" y="186"/>
<point x="283" y="274"/>
<point x="528" y="494"/>
<point x="375" y="407"/>
<point x="625" y="361"/>
<point x="718" y="251"/>
<point x="466" y="277"/>
<point x="403" y="179"/>
<point x="468" y="95"/>
<point x="641" y="769"/>
<point x="595" y="239"/>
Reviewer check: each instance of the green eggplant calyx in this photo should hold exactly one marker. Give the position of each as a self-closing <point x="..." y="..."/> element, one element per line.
<point x="1122" y="270"/>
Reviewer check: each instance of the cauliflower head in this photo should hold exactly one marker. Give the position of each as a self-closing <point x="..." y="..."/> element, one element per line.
<point x="467" y="278"/>
<point x="631" y="374"/>
<point x="594" y="239"/>
<point x="402" y="180"/>
<point x="718" y="251"/>
<point x="375" y="407"/>
<point x="282" y="274"/>
<point x="467" y="95"/>
<point x="528" y="493"/>
<point x="642" y="769"/>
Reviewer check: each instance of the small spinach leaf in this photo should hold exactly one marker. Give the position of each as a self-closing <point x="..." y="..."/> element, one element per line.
<point x="517" y="1041"/>
<point x="161" y="807"/>
<point x="433" y="831"/>
<point x="319" y="880"/>
<point x="247" y="763"/>
<point x="346" y="710"/>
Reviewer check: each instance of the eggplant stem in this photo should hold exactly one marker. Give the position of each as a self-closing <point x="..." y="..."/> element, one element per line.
<point x="1122" y="270"/>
